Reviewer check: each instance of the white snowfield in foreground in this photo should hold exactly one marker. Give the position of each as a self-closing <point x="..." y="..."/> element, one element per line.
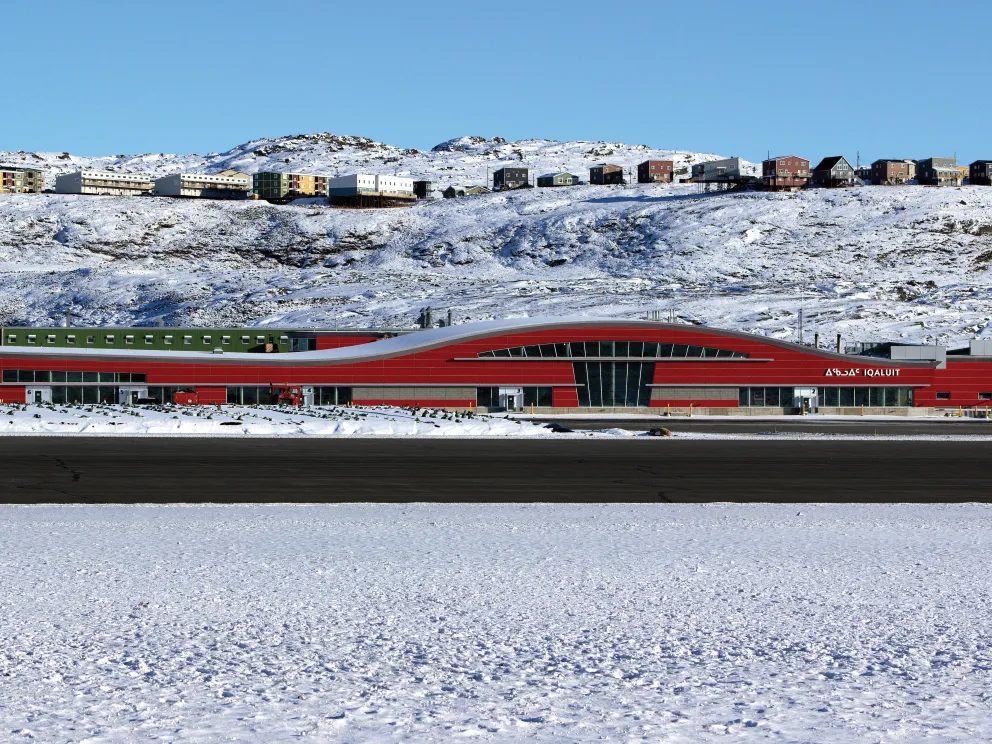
<point x="259" y="421"/>
<point x="391" y="623"/>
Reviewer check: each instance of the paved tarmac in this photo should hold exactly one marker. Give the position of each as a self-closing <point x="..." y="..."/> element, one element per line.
<point x="119" y="470"/>
<point x="796" y="424"/>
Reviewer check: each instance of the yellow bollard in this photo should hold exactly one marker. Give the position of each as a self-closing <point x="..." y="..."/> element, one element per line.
<point x="960" y="411"/>
<point x="531" y="409"/>
<point x="690" y="410"/>
<point x="669" y="409"/>
<point x="862" y="409"/>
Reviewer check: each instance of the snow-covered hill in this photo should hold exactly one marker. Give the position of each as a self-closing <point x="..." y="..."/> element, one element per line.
<point x="872" y="263"/>
<point x="461" y="160"/>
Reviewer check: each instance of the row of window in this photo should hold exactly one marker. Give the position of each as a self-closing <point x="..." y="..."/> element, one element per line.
<point x="43" y="375"/>
<point x="641" y="349"/>
<point x="776" y="397"/>
<point x="614" y="384"/>
<point x="261" y="395"/>
<point x="149" y="339"/>
<point x="63" y="394"/>
<point x="872" y="397"/>
<point x="828" y="397"/>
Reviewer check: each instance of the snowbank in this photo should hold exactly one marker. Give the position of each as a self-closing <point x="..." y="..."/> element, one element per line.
<point x="261" y="421"/>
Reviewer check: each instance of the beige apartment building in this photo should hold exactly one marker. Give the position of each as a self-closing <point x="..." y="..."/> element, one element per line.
<point x="104" y="183"/>
<point x="229" y="184"/>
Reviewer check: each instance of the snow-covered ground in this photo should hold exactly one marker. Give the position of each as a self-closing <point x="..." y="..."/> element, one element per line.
<point x="261" y="421"/>
<point x="390" y="623"/>
<point x="875" y="263"/>
<point x="376" y="422"/>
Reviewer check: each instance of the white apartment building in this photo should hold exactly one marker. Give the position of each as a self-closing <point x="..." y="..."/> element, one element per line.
<point x="359" y="184"/>
<point x="104" y="183"/>
<point x="226" y="185"/>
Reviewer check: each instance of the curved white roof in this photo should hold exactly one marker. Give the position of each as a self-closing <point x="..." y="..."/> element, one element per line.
<point x="410" y="343"/>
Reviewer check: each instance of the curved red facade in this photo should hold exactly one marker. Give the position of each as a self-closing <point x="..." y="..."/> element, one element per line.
<point x="442" y="367"/>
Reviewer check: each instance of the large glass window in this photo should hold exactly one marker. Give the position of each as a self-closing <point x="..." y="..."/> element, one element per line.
<point x="614" y="384"/>
<point x="487" y="396"/>
<point x="622" y="349"/>
<point x="874" y="397"/>
<point x="331" y="396"/>
<point x="540" y="397"/>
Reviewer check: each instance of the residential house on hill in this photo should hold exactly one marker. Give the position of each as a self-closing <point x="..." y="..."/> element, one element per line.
<point x="833" y="172"/>
<point x="511" y="178"/>
<point x="785" y="173"/>
<point x="717" y="171"/>
<point x="453" y="192"/>
<point x="886" y="172"/>
<point x="557" y="179"/>
<point x="938" y="172"/>
<point x="16" y="180"/>
<point x="980" y="173"/>
<point x="655" y="171"/>
<point x="606" y="173"/>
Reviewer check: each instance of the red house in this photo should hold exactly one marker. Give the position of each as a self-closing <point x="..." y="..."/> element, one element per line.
<point x="655" y="171"/>
<point x="786" y="173"/>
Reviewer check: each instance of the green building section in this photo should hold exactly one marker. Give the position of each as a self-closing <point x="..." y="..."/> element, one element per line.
<point x="271" y="185"/>
<point x="258" y="340"/>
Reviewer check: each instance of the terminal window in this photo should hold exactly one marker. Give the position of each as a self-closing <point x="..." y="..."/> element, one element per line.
<point x="943" y="396"/>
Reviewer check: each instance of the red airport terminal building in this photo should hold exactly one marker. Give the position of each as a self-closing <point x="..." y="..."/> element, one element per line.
<point x="548" y="364"/>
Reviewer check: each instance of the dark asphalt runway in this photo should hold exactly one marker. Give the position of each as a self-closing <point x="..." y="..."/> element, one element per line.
<point x="92" y="470"/>
<point x="795" y="424"/>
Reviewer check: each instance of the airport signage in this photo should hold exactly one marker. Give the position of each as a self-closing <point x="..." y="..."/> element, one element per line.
<point x="859" y="372"/>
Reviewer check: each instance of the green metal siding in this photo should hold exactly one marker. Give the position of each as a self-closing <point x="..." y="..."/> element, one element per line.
<point x="154" y="339"/>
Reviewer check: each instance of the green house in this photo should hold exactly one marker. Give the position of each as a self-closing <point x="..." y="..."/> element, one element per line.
<point x="557" y="179"/>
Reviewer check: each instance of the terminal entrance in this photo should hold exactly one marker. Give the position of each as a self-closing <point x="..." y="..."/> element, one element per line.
<point x="806" y="399"/>
<point x="511" y="399"/>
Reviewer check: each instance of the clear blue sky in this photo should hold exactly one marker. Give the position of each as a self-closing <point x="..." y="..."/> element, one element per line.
<point x="891" y="79"/>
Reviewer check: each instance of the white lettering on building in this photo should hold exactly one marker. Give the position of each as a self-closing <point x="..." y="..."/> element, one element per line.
<point x="858" y="372"/>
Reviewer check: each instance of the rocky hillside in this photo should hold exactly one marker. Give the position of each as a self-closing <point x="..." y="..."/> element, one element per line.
<point x="872" y="263"/>
<point x="463" y="160"/>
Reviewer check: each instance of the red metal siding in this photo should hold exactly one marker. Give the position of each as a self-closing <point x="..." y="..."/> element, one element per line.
<point x="13" y="394"/>
<point x="458" y="365"/>
<point x="211" y="395"/>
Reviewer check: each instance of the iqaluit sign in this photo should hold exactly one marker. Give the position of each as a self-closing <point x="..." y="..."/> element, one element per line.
<point x="859" y="372"/>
